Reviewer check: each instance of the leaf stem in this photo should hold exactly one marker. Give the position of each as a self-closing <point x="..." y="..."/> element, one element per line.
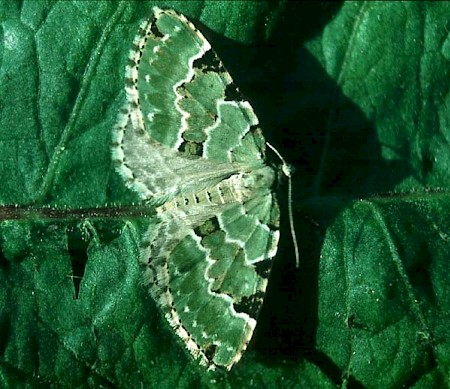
<point x="17" y="212"/>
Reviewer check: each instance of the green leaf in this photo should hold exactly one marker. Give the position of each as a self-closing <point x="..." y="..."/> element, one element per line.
<point x="356" y="96"/>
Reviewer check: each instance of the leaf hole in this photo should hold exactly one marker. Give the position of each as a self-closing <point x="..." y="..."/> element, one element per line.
<point x="77" y="245"/>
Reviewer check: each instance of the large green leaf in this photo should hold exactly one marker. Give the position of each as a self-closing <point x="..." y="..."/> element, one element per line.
<point x="356" y="96"/>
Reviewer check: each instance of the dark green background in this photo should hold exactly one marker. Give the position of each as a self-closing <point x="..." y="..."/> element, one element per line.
<point x="355" y="95"/>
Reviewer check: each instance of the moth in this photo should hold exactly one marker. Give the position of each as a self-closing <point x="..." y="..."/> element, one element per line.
<point x="193" y="151"/>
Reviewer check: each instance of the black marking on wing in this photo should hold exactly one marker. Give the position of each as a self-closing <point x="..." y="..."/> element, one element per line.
<point x="250" y="305"/>
<point x="191" y="148"/>
<point x="263" y="268"/>
<point x="154" y="30"/>
<point x="209" y="351"/>
<point x="232" y="93"/>
<point x="208" y="227"/>
<point x="209" y="62"/>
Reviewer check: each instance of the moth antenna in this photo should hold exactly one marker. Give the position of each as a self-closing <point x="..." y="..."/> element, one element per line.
<point x="287" y="171"/>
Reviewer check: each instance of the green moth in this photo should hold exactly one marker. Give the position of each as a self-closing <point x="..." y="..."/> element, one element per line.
<point x="197" y="156"/>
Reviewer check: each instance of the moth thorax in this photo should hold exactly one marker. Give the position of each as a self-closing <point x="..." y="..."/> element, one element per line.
<point x="248" y="184"/>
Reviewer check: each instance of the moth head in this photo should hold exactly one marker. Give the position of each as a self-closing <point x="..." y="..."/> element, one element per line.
<point x="249" y="184"/>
